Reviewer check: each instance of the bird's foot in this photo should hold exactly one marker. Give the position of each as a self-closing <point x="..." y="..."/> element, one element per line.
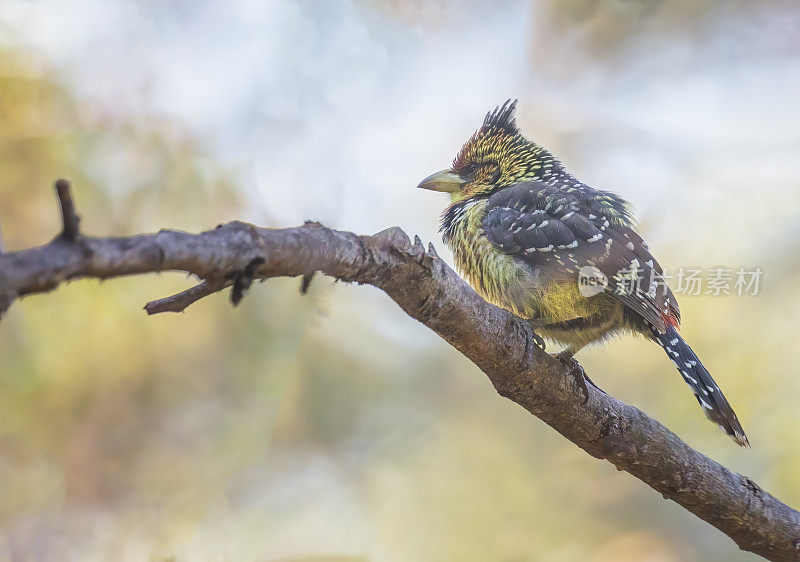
<point x="576" y="371"/>
<point x="531" y="339"/>
<point x="537" y="340"/>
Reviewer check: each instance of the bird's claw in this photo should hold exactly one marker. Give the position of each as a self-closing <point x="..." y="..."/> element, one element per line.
<point x="531" y="339"/>
<point x="538" y="340"/>
<point x="576" y="371"/>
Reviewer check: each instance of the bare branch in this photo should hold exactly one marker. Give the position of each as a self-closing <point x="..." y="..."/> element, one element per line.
<point x="498" y="342"/>
<point x="69" y="218"/>
<point x="179" y="302"/>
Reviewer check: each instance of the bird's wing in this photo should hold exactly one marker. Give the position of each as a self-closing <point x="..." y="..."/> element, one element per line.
<point x="557" y="232"/>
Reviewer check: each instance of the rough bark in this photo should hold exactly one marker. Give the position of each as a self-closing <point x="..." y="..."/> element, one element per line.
<point x="499" y="343"/>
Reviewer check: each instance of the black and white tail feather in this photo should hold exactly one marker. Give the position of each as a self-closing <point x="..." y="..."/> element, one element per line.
<point x="708" y="394"/>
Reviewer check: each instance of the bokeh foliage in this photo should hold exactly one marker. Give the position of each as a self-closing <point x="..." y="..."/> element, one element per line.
<point x="325" y="427"/>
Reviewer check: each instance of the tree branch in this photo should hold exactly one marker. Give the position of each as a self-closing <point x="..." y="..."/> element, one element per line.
<point x="70" y="221"/>
<point x="499" y="343"/>
<point x="179" y="302"/>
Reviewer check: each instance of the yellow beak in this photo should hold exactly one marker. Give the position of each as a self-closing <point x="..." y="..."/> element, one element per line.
<point x="446" y="181"/>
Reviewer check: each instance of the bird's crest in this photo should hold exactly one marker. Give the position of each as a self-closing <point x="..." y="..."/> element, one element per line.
<point x="502" y="118"/>
<point x="498" y="127"/>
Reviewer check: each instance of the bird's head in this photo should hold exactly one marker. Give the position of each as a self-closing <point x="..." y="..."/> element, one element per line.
<point x="496" y="156"/>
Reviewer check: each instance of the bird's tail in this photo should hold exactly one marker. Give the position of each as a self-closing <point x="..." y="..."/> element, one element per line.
<point x="708" y="394"/>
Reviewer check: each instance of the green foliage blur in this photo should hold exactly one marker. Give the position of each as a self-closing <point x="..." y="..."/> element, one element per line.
<point x="325" y="427"/>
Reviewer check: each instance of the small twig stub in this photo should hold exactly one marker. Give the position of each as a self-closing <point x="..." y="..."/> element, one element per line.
<point x="70" y="221"/>
<point x="305" y="282"/>
<point x="180" y="301"/>
<point x="243" y="280"/>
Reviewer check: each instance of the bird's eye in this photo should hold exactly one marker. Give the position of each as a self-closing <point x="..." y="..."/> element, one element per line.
<point x="493" y="172"/>
<point x="469" y="169"/>
<point x="485" y="172"/>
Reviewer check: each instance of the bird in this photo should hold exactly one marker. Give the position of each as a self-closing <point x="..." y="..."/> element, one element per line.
<point x="531" y="238"/>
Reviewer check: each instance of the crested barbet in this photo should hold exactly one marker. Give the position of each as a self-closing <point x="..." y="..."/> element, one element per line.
<point x="531" y="238"/>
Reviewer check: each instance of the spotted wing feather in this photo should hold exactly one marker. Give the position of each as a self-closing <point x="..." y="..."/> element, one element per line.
<point x="557" y="232"/>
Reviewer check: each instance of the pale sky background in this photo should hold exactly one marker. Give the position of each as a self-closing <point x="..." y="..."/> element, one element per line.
<point x="335" y="110"/>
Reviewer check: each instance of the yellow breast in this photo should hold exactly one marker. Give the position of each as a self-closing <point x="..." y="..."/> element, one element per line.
<point x="510" y="283"/>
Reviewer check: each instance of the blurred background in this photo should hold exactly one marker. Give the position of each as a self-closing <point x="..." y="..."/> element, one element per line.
<point x="332" y="426"/>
